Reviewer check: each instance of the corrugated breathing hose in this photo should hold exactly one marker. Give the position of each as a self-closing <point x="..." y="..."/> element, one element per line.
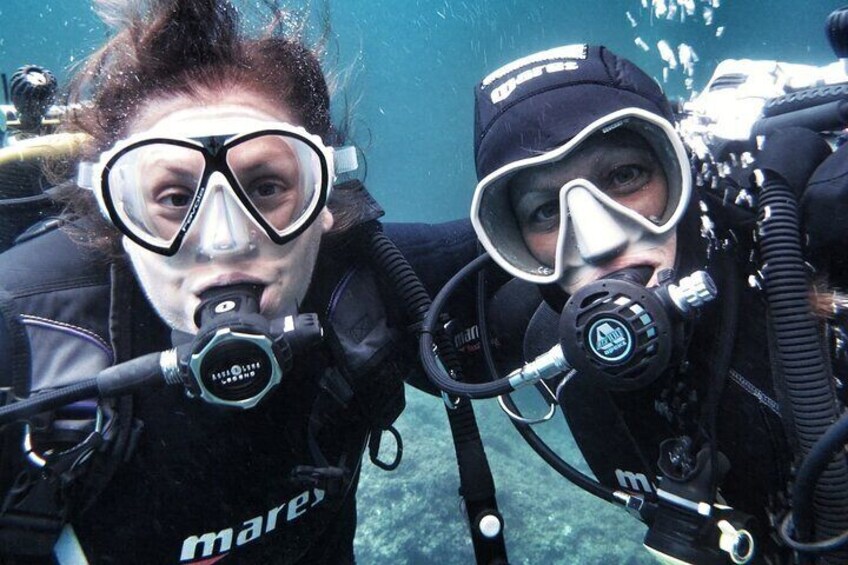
<point x="806" y="373"/>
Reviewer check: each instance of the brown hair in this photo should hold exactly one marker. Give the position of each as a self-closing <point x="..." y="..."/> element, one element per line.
<point x="196" y="49"/>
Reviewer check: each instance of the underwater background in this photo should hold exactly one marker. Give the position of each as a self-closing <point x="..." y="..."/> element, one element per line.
<point x="406" y="71"/>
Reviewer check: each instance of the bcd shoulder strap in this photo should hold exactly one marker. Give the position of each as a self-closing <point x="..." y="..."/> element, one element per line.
<point x="14" y="352"/>
<point x="366" y="381"/>
<point x="54" y="465"/>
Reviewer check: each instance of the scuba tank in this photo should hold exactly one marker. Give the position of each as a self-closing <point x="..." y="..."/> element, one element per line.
<point x="28" y="143"/>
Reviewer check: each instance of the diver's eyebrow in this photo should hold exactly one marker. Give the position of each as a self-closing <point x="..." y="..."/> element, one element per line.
<point x="531" y="197"/>
<point x="533" y="189"/>
<point x="170" y="166"/>
<point x="261" y="164"/>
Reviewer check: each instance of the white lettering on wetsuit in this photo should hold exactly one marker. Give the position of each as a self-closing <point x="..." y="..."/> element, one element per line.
<point x="217" y="543"/>
<point x="632" y="481"/>
<point x="467" y="340"/>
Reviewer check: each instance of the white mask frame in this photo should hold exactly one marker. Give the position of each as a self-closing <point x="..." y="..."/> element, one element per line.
<point x="497" y="229"/>
<point x="95" y="177"/>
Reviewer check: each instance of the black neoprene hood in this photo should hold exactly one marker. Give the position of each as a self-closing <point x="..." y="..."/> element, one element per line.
<point x="539" y="102"/>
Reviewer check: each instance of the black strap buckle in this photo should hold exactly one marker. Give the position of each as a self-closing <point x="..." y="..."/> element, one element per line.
<point x="332" y="480"/>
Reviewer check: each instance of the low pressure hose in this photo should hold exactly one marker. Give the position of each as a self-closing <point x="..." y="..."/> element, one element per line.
<point x="816" y="462"/>
<point x="428" y="359"/>
<point x="421" y="309"/>
<point x="538" y="445"/>
<point x="141" y="372"/>
<point x="806" y="373"/>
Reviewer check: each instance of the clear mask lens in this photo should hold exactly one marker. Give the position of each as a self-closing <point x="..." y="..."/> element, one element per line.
<point x="152" y="188"/>
<point x="279" y="176"/>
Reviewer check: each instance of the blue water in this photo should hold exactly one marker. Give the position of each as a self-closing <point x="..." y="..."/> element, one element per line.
<point x="409" y="66"/>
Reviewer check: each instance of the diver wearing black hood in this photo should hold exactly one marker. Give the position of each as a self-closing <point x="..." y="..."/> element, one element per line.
<point x="586" y="195"/>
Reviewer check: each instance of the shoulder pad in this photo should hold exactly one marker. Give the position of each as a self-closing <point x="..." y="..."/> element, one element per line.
<point x="14" y="350"/>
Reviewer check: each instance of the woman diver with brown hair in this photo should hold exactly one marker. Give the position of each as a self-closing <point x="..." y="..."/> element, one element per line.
<point x="204" y="216"/>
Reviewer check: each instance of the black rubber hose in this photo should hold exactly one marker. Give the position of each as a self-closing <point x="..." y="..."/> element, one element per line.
<point x="122" y="378"/>
<point x="727" y="276"/>
<point x="426" y="313"/>
<point x="409" y="288"/>
<point x="806" y="373"/>
<point x="436" y="372"/>
<point x="405" y="280"/>
<point x="49" y="400"/>
<point x="805" y="98"/>
<point x="819" y="457"/>
<point x="830" y="116"/>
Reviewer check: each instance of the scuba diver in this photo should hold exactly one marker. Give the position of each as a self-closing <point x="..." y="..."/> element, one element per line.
<point x="32" y="115"/>
<point x="209" y="245"/>
<point x="663" y="302"/>
<point x="202" y="324"/>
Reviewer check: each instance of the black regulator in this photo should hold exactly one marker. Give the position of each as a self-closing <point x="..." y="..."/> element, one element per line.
<point x="235" y="360"/>
<point x="237" y="356"/>
<point x="614" y="331"/>
<point x="623" y="336"/>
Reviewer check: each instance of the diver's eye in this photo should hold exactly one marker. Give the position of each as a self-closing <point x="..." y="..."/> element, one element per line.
<point x="175" y="197"/>
<point x="271" y="192"/>
<point x="624" y="175"/>
<point x="626" y="179"/>
<point x="265" y="189"/>
<point x="546" y="214"/>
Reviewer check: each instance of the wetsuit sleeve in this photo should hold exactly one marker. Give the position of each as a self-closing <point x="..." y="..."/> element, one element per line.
<point x="824" y="208"/>
<point x="435" y="251"/>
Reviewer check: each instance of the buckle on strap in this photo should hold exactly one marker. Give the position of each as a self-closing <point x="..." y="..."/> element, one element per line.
<point x="332" y="480"/>
<point x="374" y="449"/>
<point x="65" y="460"/>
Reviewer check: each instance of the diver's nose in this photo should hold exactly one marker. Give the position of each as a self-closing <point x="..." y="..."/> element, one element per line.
<point x="224" y="228"/>
<point x="598" y="236"/>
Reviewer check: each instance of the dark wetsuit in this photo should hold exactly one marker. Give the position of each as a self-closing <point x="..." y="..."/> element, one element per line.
<point x="202" y="484"/>
<point x="619" y="433"/>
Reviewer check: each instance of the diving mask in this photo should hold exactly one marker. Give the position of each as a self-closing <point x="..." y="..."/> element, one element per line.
<point x="153" y="187"/>
<point x="590" y="194"/>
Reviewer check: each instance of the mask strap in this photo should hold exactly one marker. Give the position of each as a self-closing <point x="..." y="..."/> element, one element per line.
<point x="345" y="159"/>
<point x="85" y="175"/>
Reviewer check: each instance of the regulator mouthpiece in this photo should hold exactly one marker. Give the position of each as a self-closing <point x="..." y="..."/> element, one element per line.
<point x="230" y="301"/>
<point x="234" y="360"/>
<point x="238" y="356"/>
<point x="637" y="275"/>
